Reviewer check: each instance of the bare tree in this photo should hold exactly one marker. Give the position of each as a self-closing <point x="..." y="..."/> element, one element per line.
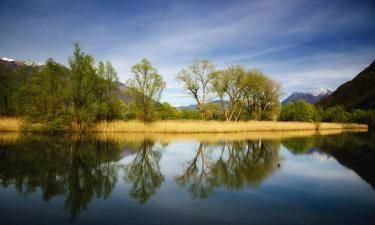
<point x="197" y="80"/>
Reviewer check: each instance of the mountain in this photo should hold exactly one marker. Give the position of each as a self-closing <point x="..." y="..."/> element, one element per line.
<point x="195" y="106"/>
<point x="310" y="97"/>
<point x="357" y="93"/>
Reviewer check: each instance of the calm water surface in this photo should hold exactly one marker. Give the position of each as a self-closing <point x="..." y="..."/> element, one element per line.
<point x="124" y="180"/>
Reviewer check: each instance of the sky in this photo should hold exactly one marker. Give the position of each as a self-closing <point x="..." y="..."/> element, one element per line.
<point x="301" y="44"/>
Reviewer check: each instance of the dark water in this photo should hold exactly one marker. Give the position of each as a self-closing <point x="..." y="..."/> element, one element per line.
<point x="304" y="180"/>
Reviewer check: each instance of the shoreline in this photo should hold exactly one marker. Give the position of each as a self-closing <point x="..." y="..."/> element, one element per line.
<point x="196" y="126"/>
<point x="199" y="126"/>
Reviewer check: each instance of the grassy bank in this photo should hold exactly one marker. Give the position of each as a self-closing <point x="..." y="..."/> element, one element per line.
<point x="188" y="126"/>
<point x="166" y="138"/>
<point x="180" y="126"/>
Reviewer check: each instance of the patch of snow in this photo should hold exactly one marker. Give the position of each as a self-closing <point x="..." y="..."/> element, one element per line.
<point x="7" y="59"/>
<point x="321" y="91"/>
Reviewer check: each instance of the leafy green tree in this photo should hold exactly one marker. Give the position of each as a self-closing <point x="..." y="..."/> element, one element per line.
<point x="336" y="114"/>
<point x="146" y="88"/>
<point x="261" y="95"/>
<point x="189" y="114"/>
<point x="167" y="111"/>
<point x="108" y="105"/>
<point x="228" y="85"/>
<point x="45" y="99"/>
<point x="8" y="87"/>
<point x="197" y="80"/>
<point x="83" y="82"/>
<point x="297" y="111"/>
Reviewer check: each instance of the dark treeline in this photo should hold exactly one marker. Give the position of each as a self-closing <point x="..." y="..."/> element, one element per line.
<point x="55" y="97"/>
<point x="61" y="98"/>
<point x="303" y="111"/>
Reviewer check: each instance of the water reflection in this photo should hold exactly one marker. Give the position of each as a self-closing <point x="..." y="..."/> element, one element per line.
<point x="144" y="172"/>
<point x="79" y="169"/>
<point x="240" y="164"/>
<point x="355" y="151"/>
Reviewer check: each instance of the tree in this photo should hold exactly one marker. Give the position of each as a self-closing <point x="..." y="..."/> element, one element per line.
<point x="8" y="87"/>
<point x="261" y="95"/>
<point x="167" y="111"/>
<point x="146" y="88"/>
<point x="297" y="111"/>
<point x="45" y="99"/>
<point x="228" y="85"/>
<point x="197" y="79"/>
<point x="82" y="87"/>
<point x="108" y="106"/>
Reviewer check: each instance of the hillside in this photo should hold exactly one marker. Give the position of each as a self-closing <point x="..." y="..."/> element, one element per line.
<point x="310" y="97"/>
<point x="357" y="93"/>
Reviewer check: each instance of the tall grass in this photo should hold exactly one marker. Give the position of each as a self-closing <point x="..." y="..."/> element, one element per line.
<point x="197" y="126"/>
<point x="210" y="137"/>
<point x="186" y="126"/>
<point x="10" y="124"/>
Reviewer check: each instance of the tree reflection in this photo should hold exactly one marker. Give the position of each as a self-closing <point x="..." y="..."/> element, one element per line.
<point x="195" y="180"/>
<point x="299" y="145"/>
<point x="77" y="169"/>
<point x="239" y="164"/>
<point x="144" y="172"/>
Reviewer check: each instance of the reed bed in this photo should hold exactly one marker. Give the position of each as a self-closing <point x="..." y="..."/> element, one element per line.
<point x="9" y="124"/>
<point x="197" y="126"/>
<point x="182" y="126"/>
<point x="166" y="138"/>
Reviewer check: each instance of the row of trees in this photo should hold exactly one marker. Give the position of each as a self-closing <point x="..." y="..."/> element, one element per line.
<point x="303" y="111"/>
<point x="247" y="94"/>
<point x="61" y="98"/>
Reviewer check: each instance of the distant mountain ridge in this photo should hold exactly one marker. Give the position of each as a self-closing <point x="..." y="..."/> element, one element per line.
<point x="358" y="93"/>
<point x="310" y="97"/>
<point x="195" y="106"/>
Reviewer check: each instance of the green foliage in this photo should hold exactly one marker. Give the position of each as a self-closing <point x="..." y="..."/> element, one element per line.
<point x="189" y="114"/>
<point x="108" y="106"/>
<point x="297" y="111"/>
<point x="336" y="114"/>
<point x="82" y="86"/>
<point x="54" y="98"/>
<point x="146" y="88"/>
<point x="261" y="96"/>
<point x="166" y="111"/>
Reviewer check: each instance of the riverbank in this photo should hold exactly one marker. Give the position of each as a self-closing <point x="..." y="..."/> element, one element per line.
<point x="197" y="126"/>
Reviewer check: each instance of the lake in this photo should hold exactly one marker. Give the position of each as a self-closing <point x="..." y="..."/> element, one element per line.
<point x="257" y="178"/>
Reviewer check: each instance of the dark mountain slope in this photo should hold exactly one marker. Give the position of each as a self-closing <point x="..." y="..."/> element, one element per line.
<point x="357" y="93"/>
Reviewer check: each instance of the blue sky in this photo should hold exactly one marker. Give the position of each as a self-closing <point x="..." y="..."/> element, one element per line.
<point x="301" y="44"/>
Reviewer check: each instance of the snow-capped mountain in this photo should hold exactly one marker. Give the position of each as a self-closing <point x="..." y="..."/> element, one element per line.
<point x="321" y="91"/>
<point x="310" y="97"/>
